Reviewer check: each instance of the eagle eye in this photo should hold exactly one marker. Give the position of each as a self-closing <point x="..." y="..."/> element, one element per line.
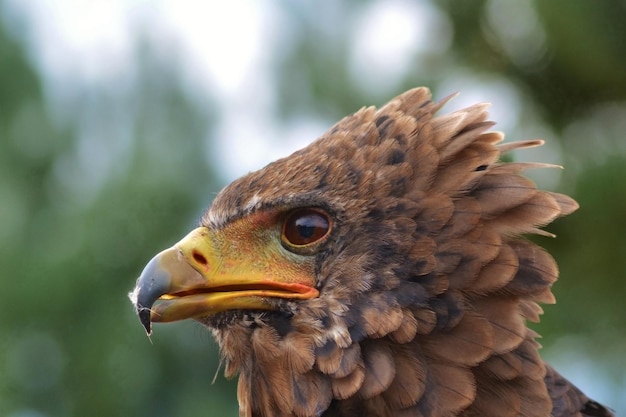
<point x="305" y="226"/>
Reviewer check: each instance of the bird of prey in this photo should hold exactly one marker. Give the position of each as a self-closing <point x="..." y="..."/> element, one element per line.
<point x="380" y="271"/>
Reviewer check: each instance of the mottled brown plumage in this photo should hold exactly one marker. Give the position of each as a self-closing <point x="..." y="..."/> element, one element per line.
<point x="415" y="301"/>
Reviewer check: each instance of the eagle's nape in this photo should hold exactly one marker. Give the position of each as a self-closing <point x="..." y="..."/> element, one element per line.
<point x="377" y="272"/>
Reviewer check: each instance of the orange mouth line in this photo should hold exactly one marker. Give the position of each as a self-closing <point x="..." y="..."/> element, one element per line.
<point x="274" y="287"/>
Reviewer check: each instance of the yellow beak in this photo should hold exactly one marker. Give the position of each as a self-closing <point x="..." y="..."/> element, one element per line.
<point x="208" y="272"/>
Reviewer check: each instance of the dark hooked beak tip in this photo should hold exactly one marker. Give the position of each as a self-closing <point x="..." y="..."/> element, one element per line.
<point x="153" y="282"/>
<point x="144" y="318"/>
<point x="142" y="311"/>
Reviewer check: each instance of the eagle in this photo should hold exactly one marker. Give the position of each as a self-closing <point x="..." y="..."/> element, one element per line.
<point x="383" y="270"/>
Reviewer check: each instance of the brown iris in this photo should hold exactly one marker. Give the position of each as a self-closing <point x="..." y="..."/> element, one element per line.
<point x="305" y="226"/>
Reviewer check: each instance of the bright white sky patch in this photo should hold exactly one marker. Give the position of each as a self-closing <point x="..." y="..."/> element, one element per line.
<point x="94" y="40"/>
<point x="388" y="35"/>
<point x="222" y="40"/>
<point x="79" y="45"/>
<point x="249" y="142"/>
<point x="74" y="38"/>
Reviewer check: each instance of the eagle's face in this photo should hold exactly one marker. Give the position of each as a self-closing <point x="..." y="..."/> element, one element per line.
<point x="374" y="271"/>
<point x="313" y="234"/>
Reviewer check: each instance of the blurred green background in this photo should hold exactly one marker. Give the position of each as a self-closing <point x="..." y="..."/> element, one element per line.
<point x="120" y="120"/>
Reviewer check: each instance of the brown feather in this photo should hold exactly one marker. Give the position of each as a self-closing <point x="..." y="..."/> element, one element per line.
<point x="518" y="167"/>
<point x="467" y="138"/>
<point x="530" y="310"/>
<point x="345" y="387"/>
<point x="465" y="218"/>
<point x="350" y="361"/>
<point x="297" y="353"/>
<point x="495" y="400"/>
<point x="523" y="144"/>
<point x="305" y="387"/>
<point x="455" y="388"/>
<point x="468" y="343"/>
<point x="462" y="173"/>
<point x="498" y="273"/>
<point x="537" y="269"/>
<point x="426" y="320"/>
<point x="409" y="383"/>
<point x="537" y="211"/>
<point x="506" y="321"/>
<point x="328" y="357"/>
<point x="380" y="369"/>
<point x="567" y="205"/>
<point x="446" y="127"/>
<point x="381" y="316"/>
<point x="498" y="193"/>
<point x="407" y="329"/>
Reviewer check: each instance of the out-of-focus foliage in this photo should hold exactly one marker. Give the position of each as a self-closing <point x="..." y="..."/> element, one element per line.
<point x="81" y="213"/>
<point x="83" y="210"/>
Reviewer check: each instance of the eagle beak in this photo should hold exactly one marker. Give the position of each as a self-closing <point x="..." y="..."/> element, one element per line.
<point x="203" y="275"/>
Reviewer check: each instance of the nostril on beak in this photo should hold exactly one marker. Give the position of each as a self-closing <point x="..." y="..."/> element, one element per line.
<point x="199" y="258"/>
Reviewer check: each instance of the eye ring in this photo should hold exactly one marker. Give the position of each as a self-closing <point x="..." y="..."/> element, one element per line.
<point x="305" y="227"/>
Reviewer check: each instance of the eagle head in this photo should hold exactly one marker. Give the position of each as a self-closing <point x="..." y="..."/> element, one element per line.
<point x="379" y="271"/>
